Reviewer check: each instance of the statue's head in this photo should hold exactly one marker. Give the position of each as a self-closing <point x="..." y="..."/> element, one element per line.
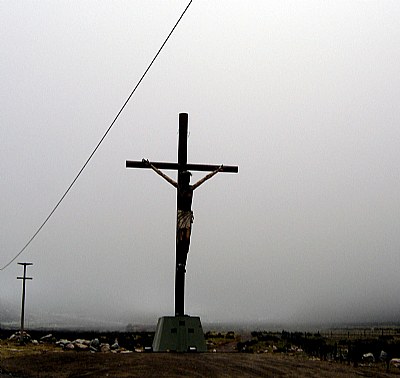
<point x="185" y="178"/>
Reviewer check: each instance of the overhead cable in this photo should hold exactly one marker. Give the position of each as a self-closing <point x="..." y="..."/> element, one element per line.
<point x="99" y="143"/>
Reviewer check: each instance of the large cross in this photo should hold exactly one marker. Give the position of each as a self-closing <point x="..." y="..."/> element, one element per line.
<point x="184" y="202"/>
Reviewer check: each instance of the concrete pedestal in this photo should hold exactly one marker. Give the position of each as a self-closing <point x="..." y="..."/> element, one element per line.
<point x="179" y="334"/>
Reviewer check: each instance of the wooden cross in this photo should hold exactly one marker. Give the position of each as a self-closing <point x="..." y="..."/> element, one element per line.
<point x="184" y="202"/>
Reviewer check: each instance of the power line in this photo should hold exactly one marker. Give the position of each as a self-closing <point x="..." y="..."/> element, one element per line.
<point x="100" y="142"/>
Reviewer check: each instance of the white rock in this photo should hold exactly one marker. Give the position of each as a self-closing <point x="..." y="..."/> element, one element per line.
<point x="47" y="337"/>
<point x="81" y="346"/>
<point x="105" y="348"/>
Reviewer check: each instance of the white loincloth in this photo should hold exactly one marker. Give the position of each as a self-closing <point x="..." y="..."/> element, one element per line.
<point x="184" y="219"/>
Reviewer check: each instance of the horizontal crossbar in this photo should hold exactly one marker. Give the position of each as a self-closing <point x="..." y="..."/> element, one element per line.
<point x="176" y="166"/>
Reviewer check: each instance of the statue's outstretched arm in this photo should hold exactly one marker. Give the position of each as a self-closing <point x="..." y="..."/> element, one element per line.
<point x="207" y="177"/>
<point x="163" y="175"/>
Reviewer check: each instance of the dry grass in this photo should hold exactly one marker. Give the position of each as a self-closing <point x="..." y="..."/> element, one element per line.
<point x="45" y="360"/>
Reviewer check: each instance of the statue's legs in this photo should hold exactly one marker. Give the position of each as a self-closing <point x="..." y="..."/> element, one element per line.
<point x="182" y="249"/>
<point x="183" y="231"/>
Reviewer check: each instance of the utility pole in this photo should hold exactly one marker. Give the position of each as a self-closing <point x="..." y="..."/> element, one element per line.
<point x="24" y="278"/>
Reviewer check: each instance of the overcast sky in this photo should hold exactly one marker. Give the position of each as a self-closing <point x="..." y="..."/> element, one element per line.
<point x="302" y="95"/>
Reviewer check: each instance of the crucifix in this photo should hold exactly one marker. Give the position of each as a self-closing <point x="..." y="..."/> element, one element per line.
<point x="184" y="202"/>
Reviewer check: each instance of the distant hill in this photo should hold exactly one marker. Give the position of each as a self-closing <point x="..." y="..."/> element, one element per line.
<point x="8" y="312"/>
<point x="10" y="316"/>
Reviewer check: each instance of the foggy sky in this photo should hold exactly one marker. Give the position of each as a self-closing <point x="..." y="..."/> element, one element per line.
<point x="302" y="95"/>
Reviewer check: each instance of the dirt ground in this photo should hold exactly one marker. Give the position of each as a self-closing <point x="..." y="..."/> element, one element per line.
<point x="44" y="362"/>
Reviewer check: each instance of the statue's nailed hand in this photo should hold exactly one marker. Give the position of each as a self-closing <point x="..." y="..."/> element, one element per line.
<point x="146" y="161"/>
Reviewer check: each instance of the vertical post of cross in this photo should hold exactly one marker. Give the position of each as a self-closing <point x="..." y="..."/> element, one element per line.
<point x="182" y="163"/>
<point x="23" y="278"/>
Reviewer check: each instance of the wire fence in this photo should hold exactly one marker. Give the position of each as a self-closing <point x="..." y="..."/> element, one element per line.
<point x="361" y="333"/>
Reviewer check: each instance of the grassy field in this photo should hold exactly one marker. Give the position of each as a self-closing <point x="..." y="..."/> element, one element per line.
<point x="283" y="357"/>
<point x="47" y="361"/>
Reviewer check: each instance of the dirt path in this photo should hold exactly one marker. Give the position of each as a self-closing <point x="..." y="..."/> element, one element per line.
<point x="79" y="364"/>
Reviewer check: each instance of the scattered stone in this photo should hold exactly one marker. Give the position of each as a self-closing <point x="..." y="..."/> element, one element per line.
<point x="115" y="345"/>
<point x="93" y="346"/>
<point x="12" y="337"/>
<point x="95" y="343"/>
<point x="62" y="343"/>
<point x="383" y="356"/>
<point x="105" y="348"/>
<point x="48" y="337"/>
<point x="395" y="362"/>
<point x="17" y="337"/>
<point x="368" y="357"/>
<point x="69" y="346"/>
<point x="80" y="346"/>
